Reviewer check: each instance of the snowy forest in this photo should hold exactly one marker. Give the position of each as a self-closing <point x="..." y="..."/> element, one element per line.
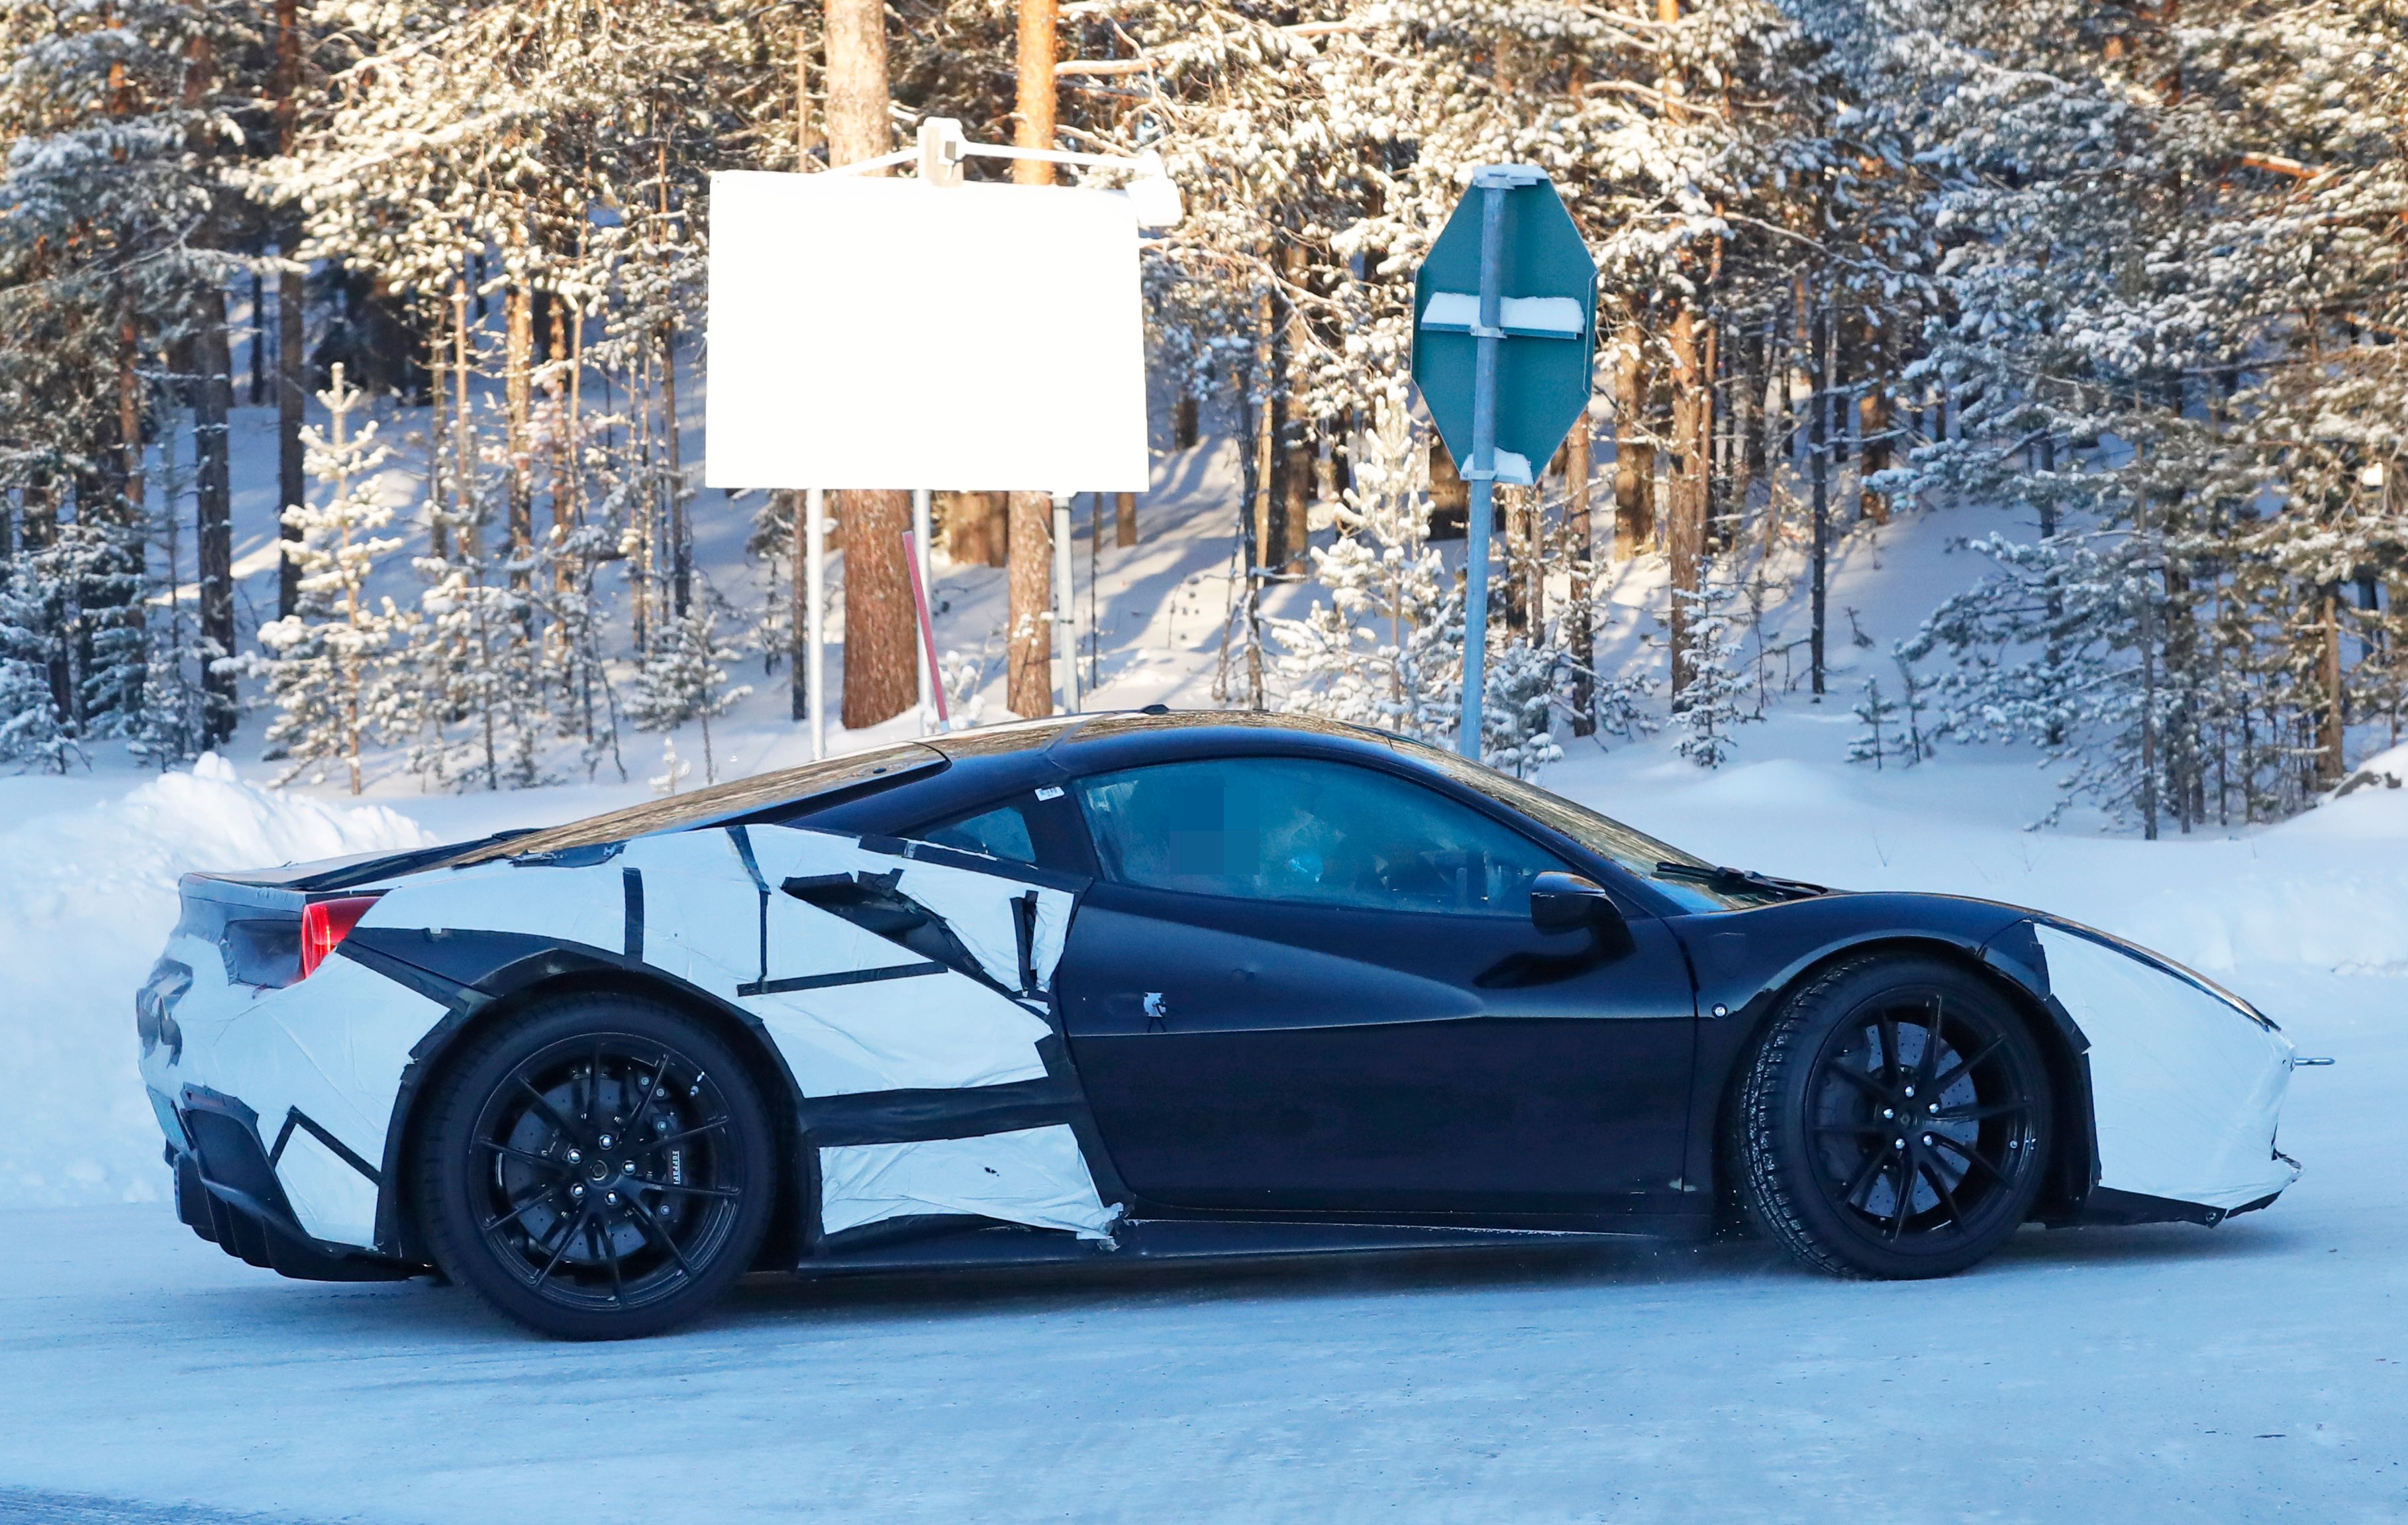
<point x="2120" y="284"/>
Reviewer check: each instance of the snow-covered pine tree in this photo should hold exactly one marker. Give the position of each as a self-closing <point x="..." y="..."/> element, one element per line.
<point x="1714" y="703"/>
<point x="1382" y="651"/>
<point x="325" y="664"/>
<point x="684" y="677"/>
<point x="1877" y="741"/>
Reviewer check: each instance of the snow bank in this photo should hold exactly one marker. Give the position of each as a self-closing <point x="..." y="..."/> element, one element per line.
<point x="87" y="897"/>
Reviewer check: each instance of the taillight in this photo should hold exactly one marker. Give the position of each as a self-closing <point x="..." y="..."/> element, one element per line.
<point x="326" y="923"/>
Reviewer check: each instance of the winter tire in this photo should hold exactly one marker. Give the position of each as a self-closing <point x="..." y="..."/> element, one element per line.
<point x="601" y="1168"/>
<point x="1892" y="1121"/>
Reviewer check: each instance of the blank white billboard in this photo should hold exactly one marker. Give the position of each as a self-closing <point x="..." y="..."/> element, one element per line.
<point x="883" y="333"/>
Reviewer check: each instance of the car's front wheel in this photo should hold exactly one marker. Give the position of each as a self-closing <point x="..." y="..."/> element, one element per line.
<point x="598" y="1167"/>
<point x="1892" y="1121"/>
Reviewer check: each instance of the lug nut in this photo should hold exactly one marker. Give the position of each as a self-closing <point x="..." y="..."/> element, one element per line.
<point x="1910" y="1090"/>
<point x="575" y="1157"/>
<point x="606" y="1138"/>
<point x="628" y="1169"/>
<point x="1898" y="1144"/>
<point x="1886" y="1112"/>
<point x="610" y="1199"/>
<point x="1927" y="1138"/>
<point x="1933" y="1107"/>
<point x="576" y="1190"/>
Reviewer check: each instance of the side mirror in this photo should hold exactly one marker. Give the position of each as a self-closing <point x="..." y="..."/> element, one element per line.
<point x="1567" y="902"/>
<point x="1570" y="902"/>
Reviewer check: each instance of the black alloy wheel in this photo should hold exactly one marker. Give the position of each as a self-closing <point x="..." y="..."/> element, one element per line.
<point x="1894" y="1121"/>
<point x="599" y="1169"/>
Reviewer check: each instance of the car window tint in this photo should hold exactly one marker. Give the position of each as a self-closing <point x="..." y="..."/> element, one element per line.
<point x="999" y="833"/>
<point x="1325" y="833"/>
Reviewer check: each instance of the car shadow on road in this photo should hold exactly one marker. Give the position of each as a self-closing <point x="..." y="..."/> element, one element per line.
<point x="1601" y="1266"/>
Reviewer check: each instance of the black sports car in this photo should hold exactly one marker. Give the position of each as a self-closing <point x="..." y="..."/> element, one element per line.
<point x="1149" y="984"/>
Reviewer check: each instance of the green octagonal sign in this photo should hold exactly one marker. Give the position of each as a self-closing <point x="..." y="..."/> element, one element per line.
<point x="1544" y="325"/>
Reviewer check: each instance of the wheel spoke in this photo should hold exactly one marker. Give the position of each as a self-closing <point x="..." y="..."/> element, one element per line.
<point x="650" y="1091"/>
<point x="654" y="1230"/>
<point x="594" y="1082"/>
<point x="679" y="1138"/>
<point x="1860" y="1080"/>
<point x="543" y="1106"/>
<point x="1975" y="1115"/>
<point x="1930" y="1063"/>
<point x="1929" y="1171"/>
<point x="1892" y="1065"/>
<point x="610" y="1253"/>
<point x="516" y="1213"/>
<point x="567" y="1234"/>
<point x="1864" y="1176"/>
<point x="1968" y="1154"/>
<point x="1905" y="1199"/>
<point x="1963" y="1067"/>
<point x="544" y="1160"/>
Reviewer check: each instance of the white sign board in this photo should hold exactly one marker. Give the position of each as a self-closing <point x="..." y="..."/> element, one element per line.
<point x="883" y="333"/>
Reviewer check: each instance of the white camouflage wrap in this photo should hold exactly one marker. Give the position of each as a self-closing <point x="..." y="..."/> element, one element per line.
<point x="2184" y="1086"/>
<point x="333" y="1046"/>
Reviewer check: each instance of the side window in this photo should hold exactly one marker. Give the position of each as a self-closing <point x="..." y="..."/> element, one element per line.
<point x="999" y="833"/>
<point x="1297" y="830"/>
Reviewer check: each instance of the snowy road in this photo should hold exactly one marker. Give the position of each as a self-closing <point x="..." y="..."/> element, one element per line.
<point x="2258" y="1371"/>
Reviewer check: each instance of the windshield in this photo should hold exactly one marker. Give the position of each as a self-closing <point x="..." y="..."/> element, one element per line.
<point x="745" y="796"/>
<point x="1626" y="847"/>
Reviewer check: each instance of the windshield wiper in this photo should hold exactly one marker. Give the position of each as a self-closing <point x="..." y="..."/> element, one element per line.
<point x="1740" y="881"/>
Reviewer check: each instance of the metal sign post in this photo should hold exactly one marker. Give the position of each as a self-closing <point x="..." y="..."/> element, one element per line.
<point x="1065" y="630"/>
<point x="915" y="552"/>
<point x="815" y="595"/>
<point x="1503" y="375"/>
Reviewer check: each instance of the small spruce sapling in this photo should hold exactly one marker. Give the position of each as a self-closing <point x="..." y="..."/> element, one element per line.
<point x="685" y="677"/>
<point x="325" y="661"/>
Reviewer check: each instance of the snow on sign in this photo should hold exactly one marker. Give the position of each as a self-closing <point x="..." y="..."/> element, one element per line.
<point x="890" y="333"/>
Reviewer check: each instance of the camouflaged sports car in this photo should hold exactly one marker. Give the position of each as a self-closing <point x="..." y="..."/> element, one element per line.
<point x="1143" y="986"/>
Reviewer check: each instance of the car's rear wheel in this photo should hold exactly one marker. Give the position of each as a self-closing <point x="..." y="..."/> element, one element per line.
<point x="599" y="1168"/>
<point x="1892" y="1121"/>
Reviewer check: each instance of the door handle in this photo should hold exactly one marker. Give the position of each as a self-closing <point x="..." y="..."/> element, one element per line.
<point x="1157" y="1012"/>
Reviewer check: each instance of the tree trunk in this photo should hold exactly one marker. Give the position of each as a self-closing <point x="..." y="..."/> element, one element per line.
<point x="438" y="441"/>
<point x="1125" y="520"/>
<point x="1873" y="428"/>
<point x="518" y="398"/>
<point x="212" y="399"/>
<point x="292" y="399"/>
<point x="2330" y="712"/>
<point x="1634" y="460"/>
<point x="1449" y="495"/>
<point x="880" y="625"/>
<point x="1028" y="687"/>
<point x="131" y="491"/>
<point x="680" y="536"/>
<point x="858" y="126"/>
<point x="1684" y="534"/>
<point x="880" y="677"/>
<point x="1579" y="551"/>
<point x="1818" y="466"/>
<point x="1182" y="422"/>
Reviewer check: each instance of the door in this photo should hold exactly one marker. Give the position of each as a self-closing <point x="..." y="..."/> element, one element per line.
<point x="1301" y="984"/>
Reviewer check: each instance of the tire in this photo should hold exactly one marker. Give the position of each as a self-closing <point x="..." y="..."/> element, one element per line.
<point x="524" y="1202"/>
<point x="1868" y="1149"/>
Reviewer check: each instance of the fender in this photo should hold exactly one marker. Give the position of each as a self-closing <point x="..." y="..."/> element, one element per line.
<point x="1746" y="963"/>
<point x="471" y="972"/>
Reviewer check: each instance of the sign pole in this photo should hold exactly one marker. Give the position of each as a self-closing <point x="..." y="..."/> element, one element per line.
<point x="1482" y="478"/>
<point x="1065" y="636"/>
<point x="815" y="510"/>
<point x="917" y="554"/>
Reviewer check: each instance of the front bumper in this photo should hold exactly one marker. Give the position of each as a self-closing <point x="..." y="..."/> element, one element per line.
<point x="227" y="1193"/>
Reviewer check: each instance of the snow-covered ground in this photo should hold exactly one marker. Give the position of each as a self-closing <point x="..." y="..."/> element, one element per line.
<point x="2256" y="1371"/>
